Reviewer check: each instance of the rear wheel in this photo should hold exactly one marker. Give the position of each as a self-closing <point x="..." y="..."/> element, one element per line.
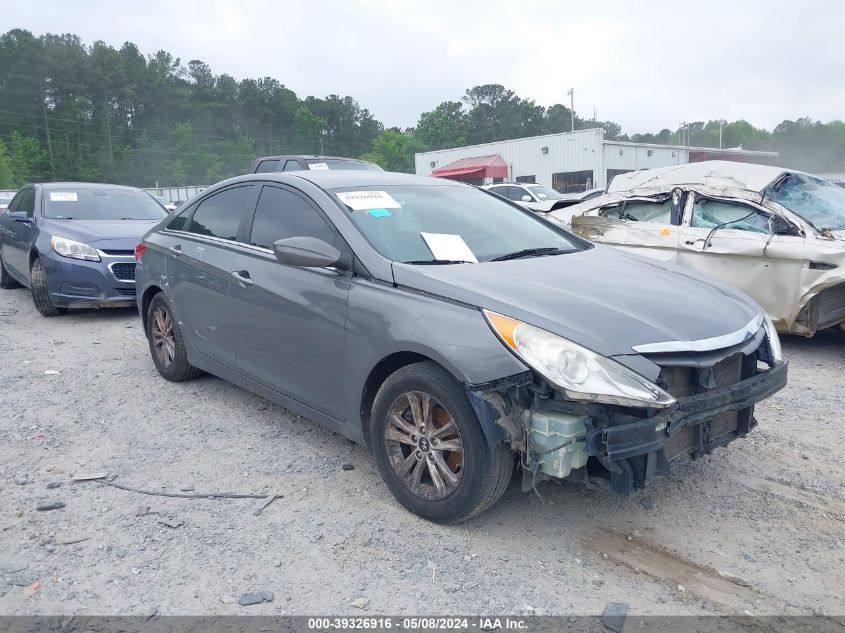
<point x="167" y="345"/>
<point x="40" y="294"/>
<point x="6" y="281"/>
<point x="430" y="448"/>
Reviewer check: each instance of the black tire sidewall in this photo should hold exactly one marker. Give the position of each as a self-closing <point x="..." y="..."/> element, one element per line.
<point x="40" y="293"/>
<point x="472" y="489"/>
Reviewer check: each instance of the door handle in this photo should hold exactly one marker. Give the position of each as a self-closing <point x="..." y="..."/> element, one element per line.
<point x="243" y="277"/>
<point x="176" y="250"/>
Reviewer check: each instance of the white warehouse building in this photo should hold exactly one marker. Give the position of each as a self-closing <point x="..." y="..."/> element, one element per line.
<point x="568" y="161"/>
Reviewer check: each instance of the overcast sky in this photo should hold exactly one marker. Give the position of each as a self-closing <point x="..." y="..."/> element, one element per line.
<point x="645" y="65"/>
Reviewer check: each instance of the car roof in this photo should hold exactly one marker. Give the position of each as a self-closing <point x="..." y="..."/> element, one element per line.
<point x="310" y="156"/>
<point x="714" y="173"/>
<point x="339" y="179"/>
<point x="83" y="185"/>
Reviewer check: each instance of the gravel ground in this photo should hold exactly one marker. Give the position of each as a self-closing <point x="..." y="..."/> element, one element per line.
<point x="756" y="528"/>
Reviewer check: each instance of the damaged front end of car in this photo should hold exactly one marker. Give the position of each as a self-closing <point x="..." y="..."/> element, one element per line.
<point x="703" y="397"/>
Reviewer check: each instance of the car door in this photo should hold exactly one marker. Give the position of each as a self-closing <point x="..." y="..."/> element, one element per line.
<point x="291" y="320"/>
<point x="644" y="226"/>
<point x="747" y="247"/>
<point x="199" y="269"/>
<point x="21" y="233"/>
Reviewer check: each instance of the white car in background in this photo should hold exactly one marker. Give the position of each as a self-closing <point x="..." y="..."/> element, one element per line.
<point x="539" y="197"/>
<point x="775" y="233"/>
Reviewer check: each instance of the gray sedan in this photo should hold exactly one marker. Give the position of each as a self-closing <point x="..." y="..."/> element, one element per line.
<point x="452" y="331"/>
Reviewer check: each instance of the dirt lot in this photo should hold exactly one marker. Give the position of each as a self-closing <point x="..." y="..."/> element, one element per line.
<point x="757" y="528"/>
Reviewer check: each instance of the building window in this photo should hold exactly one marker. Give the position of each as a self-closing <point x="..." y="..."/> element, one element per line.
<point x="495" y="180"/>
<point x="571" y="181"/>
<point x="531" y="179"/>
<point x="612" y="173"/>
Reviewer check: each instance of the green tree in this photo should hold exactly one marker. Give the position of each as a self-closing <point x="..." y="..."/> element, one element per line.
<point x="393" y="150"/>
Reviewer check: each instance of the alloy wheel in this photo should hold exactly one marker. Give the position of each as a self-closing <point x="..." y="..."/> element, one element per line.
<point x="164" y="341"/>
<point x="424" y="446"/>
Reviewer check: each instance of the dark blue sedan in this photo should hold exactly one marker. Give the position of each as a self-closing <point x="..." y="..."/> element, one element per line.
<point x="73" y="244"/>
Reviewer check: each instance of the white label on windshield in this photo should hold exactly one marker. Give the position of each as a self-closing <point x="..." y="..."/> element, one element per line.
<point x="63" y="196"/>
<point x="446" y="246"/>
<point x="541" y="195"/>
<point x="318" y="166"/>
<point x="363" y="200"/>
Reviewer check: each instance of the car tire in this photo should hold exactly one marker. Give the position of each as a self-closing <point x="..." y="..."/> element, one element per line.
<point x="40" y="294"/>
<point x="6" y="281"/>
<point x="483" y="472"/>
<point x="167" y="343"/>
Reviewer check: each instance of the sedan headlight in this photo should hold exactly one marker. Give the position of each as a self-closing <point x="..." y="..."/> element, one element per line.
<point x="774" y="340"/>
<point x="579" y="372"/>
<point x="76" y="250"/>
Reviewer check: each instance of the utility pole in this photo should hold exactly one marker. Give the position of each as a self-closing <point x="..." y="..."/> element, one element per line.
<point x="571" y="94"/>
<point x="720" y="134"/>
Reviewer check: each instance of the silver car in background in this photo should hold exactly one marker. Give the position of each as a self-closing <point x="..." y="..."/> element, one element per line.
<point x="775" y="233"/>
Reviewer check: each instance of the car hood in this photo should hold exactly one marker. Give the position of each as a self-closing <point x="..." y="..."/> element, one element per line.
<point x="103" y="234"/>
<point x="604" y="299"/>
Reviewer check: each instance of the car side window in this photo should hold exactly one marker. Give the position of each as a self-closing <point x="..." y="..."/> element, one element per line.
<point x="179" y="221"/>
<point x="708" y="214"/>
<point x="641" y="211"/>
<point x="501" y="191"/>
<point x="219" y="215"/>
<point x="516" y="194"/>
<point x="27" y="202"/>
<point x="292" y="165"/>
<point x="267" y="166"/>
<point x="16" y="202"/>
<point x="282" y="213"/>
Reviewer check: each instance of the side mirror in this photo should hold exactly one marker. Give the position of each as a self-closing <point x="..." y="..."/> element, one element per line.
<point x="308" y="252"/>
<point x="20" y="216"/>
<point x="526" y="198"/>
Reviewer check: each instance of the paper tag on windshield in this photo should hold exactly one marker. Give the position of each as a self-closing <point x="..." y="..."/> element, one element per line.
<point x="318" y="166"/>
<point x="363" y="200"/>
<point x="446" y="246"/>
<point x="63" y="196"/>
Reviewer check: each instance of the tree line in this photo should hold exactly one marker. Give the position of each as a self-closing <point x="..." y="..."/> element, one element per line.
<point x="71" y="111"/>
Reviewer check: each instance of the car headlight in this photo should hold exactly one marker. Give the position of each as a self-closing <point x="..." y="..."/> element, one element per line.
<point x="76" y="250"/>
<point x="579" y="372"/>
<point x="774" y="340"/>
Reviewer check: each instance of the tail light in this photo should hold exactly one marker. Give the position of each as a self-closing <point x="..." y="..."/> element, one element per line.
<point x="139" y="250"/>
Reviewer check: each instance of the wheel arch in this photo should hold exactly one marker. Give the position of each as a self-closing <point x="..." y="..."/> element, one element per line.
<point x="150" y="292"/>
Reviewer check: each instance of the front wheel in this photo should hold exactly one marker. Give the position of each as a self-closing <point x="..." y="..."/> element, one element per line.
<point x="167" y="345"/>
<point x="40" y="294"/>
<point x="430" y="449"/>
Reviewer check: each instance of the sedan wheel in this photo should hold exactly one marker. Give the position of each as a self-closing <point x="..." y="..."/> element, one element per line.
<point x="167" y="346"/>
<point x="164" y="342"/>
<point x="424" y="446"/>
<point x="430" y="448"/>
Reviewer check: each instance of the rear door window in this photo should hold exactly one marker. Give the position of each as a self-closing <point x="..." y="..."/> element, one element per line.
<point x="220" y="214"/>
<point x="292" y="165"/>
<point x="281" y="213"/>
<point x="267" y="166"/>
<point x="501" y="191"/>
<point x="641" y="211"/>
<point x="709" y="214"/>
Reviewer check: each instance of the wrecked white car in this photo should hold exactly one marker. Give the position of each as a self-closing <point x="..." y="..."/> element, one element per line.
<point x="777" y="234"/>
<point x="539" y="198"/>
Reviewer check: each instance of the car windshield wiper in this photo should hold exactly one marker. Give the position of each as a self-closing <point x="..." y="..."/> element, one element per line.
<point x="438" y="261"/>
<point x="530" y="252"/>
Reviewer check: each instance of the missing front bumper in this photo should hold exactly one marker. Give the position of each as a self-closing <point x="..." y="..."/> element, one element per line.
<point x="636" y="453"/>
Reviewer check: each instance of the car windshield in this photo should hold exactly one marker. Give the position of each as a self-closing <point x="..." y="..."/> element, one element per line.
<point x="101" y="204"/>
<point x="818" y="201"/>
<point x="422" y="223"/>
<point x="545" y="193"/>
<point x="340" y="163"/>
